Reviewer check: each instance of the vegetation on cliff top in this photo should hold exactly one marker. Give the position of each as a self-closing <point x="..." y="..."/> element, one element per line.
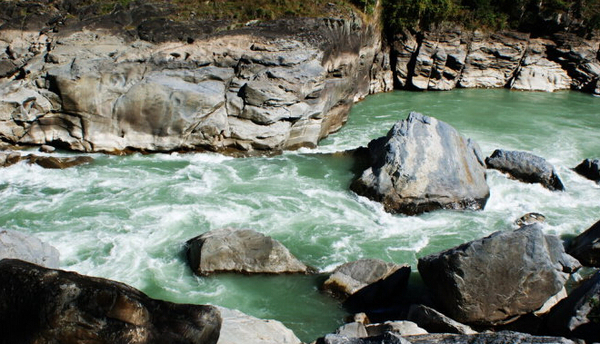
<point x="540" y="17"/>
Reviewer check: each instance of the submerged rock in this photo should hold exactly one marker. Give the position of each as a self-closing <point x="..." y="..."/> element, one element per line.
<point x="586" y="246"/>
<point x="16" y="245"/>
<point x="39" y="305"/>
<point x="240" y="328"/>
<point x="590" y="169"/>
<point x="529" y="219"/>
<point x="240" y="250"/>
<point x="61" y="163"/>
<point x="9" y="158"/>
<point x="368" y="283"/>
<point x="578" y="315"/>
<point x="424" y="164"/>
<point x="525" y="167"/>
<point x="492" y="280"/>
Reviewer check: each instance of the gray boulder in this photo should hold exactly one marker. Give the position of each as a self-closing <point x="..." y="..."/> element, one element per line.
<point x="240" y="250"/>
<point x="589" y="168"/>
<point x="39" y="305"/>
<point x="586" y="246"/>
<point x="578" y="315"/>
<point x="368" y="283"/>
<point x="424" y="164"/>
<point x="436" y="322"/>
<point x="495" y="279"/>
<point x="16" y="245"/>
<point x="525" y="167"/>
<point x="240" y="328"/>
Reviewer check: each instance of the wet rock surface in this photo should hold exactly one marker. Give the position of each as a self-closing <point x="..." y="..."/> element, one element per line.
<point x="39" y="305"/>
<point x="421" y="165"/>
<point x="589" y="168"/>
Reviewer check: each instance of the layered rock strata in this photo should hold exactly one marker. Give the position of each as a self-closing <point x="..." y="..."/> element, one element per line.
<point x="271" y="86"/>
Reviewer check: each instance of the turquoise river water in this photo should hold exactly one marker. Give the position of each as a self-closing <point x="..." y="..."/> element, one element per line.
<point x="127" y="218"/>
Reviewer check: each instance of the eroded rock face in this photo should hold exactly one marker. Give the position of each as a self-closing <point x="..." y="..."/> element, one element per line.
<point x="586" y="246"/>
<point x="272" y="86"/>
<point x="368" y="283"/>
<point x="16" y="245"/>
<point x="243" y="250"/>
<point x="491" y="280"/>
<point x="39" y="305"/>
<point x="424" y="164"/>
<point x="525" y="167"/>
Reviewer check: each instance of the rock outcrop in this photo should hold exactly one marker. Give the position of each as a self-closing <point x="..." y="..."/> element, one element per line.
<point x="577" y="316"/>
<point x="240" y="328"/>
<point x="16" y="245"/>
<point x="240" y="250"/>
<point x="492" y="280"/>
<point x="39" y="305"/>
<point x="586" y="246"/>
<point x="525" y="167"/>
<point x="368" y="283"/>
<point x="449" y="57"/>
<point x="90" y="86"/>
<point x="589" y="168"/>
<point x="421" y="165"/>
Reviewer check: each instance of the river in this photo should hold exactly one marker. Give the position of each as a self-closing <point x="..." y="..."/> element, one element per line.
<point x="127" y="218"/>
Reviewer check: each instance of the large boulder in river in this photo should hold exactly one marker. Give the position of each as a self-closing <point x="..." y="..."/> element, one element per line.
<point x="586" y="246"/>
<point x="240" y="328"/>
<point x="40" y="305"/>
<point x="240" y="250"/>
<point x="589" y="168"/>
<point x="578" y="315"/>
<point x="368" y="283"/>
<point x="491" y="280"/>
<point x="525" y="167"/>
<point x="17" y="245"/>
<point x="424" y="164"/>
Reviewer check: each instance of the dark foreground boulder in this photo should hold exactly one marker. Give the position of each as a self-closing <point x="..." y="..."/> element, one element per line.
<point x="424" y="164"/>
<point x="525" y="167"/>
<point x="368" y="283"/>
<point x="240" y="250"/>
<point x="589" y="168"/>
<point x="17" y="245"/>
<point x="503" y="337"/>
<point x="39" y="305"/>
<point x="492" y="280"/>
<point x="586" y="246"/>
<point x="578" y="315"/>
